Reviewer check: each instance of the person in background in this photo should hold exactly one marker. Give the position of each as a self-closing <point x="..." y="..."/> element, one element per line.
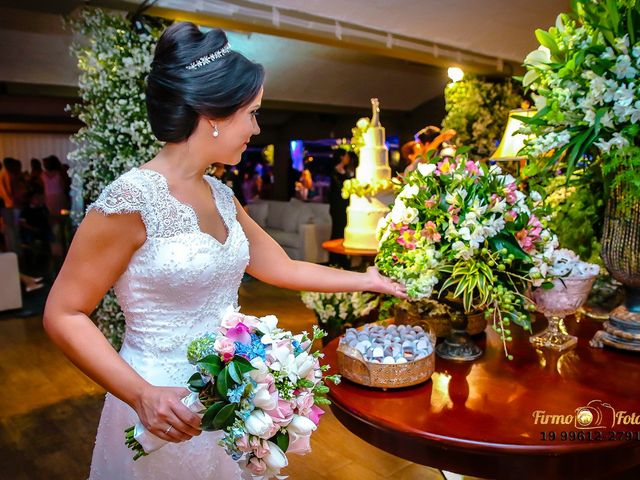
<point x="34" y="181"/>
<point x="231" y="178"/>
<point x="337" y="204"/>
<point x="429" y="139"/>
<point x="304" y="185"/>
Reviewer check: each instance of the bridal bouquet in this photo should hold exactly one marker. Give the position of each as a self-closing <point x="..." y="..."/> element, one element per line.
<point x="260" y="385"/>
<point x="463" y="232"/>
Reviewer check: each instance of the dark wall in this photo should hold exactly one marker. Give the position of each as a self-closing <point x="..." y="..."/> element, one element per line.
<point x="281" y="126"/>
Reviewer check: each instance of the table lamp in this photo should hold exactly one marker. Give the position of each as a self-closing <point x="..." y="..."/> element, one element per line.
<point x="511" y="144"/>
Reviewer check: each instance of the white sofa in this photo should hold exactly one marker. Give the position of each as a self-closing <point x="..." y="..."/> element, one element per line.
<point x="299" y="227"/>
<point x="10" y="293"/>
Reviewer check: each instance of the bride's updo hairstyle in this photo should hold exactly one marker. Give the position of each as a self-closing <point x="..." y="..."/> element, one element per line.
<point x="181" y="86"/>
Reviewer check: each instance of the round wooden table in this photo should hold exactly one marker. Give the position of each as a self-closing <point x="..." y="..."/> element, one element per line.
<point x="337" y="246"/>
<point x="499" y="419"/>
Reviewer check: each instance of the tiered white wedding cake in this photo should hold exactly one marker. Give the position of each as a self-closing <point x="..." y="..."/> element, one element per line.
<point x="364" y="213"/>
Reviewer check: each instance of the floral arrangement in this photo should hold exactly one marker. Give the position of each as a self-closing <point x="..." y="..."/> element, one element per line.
<point x="353" y="186"/>
<point x="583" y="78"/>
<point x="259" y="384"/>
<point x="335" y="310"/>
<point x="114" y="57"/>
<point x="463" y="232"/>
<point x="478" y="110"/>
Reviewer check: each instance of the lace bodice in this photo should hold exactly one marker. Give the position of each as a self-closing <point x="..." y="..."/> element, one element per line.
<point x="181" y="281"/>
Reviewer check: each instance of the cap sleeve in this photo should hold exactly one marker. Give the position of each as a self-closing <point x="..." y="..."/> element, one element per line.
<point x="126" y="194"/>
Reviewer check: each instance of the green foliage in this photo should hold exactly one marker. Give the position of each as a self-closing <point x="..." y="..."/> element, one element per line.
<point x="113" y="59"/>
<point x="584" y="82"/>
<point x="478" y="110"/>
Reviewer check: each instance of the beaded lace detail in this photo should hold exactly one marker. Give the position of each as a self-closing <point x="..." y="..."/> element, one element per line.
<point x="178" y="285"/>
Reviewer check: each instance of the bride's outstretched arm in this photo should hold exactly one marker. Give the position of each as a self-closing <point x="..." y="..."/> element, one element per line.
<point x="271" y="264"/>
<point x="100" y="252"/>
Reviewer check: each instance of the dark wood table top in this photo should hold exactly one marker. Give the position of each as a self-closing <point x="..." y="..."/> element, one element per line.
<point x="337" y="246"/>
<point x="479" y="418"/>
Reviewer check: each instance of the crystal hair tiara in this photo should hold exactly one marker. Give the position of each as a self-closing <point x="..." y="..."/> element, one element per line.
<point x="207" y="59"/>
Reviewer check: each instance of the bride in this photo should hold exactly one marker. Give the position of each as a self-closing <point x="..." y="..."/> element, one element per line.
<point x="175" y="245"/>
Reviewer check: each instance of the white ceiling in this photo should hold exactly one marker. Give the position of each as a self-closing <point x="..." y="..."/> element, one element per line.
<point x="34" y="48"/>
<point x="497" y="28"/>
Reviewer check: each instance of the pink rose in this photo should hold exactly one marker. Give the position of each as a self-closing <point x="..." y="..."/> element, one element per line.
<point x="232" y="320"/>
<point x="304" y="403"/>
<point x="315" y="414"/>
<point x="299" y="444"/>
<point x="243" y="444"/>
<point x="260" y="448"/>
<point x="251" y="322"/>
<point x="224" y="346"/>
<point x="256" y="466"/>
<point x="282" y="414"/>
<point x="240" y="333"/>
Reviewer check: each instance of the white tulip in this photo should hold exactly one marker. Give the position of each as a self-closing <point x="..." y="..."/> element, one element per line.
<point x="305" y="363"/>
<point x="275" y="459"/>
<point x="258" y="423"/>
<point x="263" y="399"/>
<point x="301" y="425"/>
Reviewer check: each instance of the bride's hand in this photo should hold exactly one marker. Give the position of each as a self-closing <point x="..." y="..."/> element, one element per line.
<point x="162" y="413"/>
<point x="382" y="284"/>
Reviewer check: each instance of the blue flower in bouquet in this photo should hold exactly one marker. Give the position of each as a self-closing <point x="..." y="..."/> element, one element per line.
<point x="251" y="350"/>
<point x="297" y="349"/>
<point x="235" y="394"/>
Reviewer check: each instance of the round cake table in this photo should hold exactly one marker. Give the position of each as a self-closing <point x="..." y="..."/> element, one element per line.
<point x="496" y="418"/>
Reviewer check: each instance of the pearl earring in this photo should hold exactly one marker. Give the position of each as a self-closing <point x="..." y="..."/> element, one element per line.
<point x="215" y="130"/>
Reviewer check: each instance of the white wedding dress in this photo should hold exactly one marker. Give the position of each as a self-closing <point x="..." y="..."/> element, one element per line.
<point x="176" y="287"/>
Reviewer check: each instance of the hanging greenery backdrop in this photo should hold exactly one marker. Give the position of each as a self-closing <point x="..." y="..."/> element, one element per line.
<point x="478" y="110"/>
<point x="114" y="57"/>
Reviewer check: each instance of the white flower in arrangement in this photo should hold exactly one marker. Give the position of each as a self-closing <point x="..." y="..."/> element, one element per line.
<point x="409" y="191"/>
<point x="535" y="196"/>
<point x="426" y="169"/>
<point x="403" y="214"/>
<point x="539" y="57"/>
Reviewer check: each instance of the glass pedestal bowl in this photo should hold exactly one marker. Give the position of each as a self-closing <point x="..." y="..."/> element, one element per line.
<point x="565" y="298"/>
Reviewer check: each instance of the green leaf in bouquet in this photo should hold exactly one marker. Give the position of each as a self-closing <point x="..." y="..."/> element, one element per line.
<point x="211" y="364"/>
<point x="225" y="417"/>
<point x="499" y="242"/>
<point x="547" y="285"/>
<point x="243" y="364"/>
<point x="221" y="383"/>
<point x="234" y="372"/>
<point x="196" y="383"/>
<point x="547" y="40"/>
<point x="210" y="415"/>
<point x="281" y="439"/>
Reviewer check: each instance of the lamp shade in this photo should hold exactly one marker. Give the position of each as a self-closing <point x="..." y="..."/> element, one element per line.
<point x="511" y="144"/>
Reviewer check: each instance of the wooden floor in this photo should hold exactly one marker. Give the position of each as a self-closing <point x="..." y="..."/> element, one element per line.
<point x="49" y="411"/>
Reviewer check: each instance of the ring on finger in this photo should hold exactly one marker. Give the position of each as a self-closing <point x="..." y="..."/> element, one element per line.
<point x="166" y="432"/>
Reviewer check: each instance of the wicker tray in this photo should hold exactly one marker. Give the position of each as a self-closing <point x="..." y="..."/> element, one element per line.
<point x="353" y="366"/>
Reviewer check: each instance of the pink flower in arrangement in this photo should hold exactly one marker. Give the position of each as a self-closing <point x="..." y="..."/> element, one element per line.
<point x="243" y="444"/>
<point x="225" y="347"/>
<point x="240" y="333"/>
<point x="256" y="466"/>
<point x="299" y="444"/>
<point x="232" y="320"/>
<point x="454" y="211"/>
<point x="260" y="448"/>
<point x="432" y="202"/>
<point x="315" y="414"/>
<point x="528" y="236"/>
<point x="471" y="167"/>
<point x="511" y="216"/>
<point x="282" y="414"/>
<point x="407" y="239"/>
<point x="510" y="193"/>
<point x="444" y="167"/>
<point x="430" y="231"/>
